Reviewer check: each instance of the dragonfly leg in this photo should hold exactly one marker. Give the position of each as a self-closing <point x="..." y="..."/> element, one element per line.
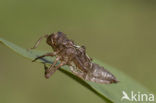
<point x="48" y="54"/>
<point x="53" y="68"/>
<point x="39" y="40"/>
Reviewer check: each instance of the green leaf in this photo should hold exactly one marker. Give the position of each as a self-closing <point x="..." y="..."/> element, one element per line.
<point x="110" y="93"/>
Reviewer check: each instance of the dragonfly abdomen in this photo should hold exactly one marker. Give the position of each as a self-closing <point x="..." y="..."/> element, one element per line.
<point x="100" y="75"/>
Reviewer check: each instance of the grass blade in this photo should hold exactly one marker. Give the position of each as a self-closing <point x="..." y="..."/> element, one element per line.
<point x="110" y="92"/>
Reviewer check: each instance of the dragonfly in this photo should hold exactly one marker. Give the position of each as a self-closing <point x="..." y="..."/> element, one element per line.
<point x="74" y="56"/>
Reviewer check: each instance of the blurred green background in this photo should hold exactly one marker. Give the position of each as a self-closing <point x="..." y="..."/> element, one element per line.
<point x="119" y="33"/>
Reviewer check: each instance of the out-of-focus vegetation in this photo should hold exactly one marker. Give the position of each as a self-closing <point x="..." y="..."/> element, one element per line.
<point x="121" y="34"/>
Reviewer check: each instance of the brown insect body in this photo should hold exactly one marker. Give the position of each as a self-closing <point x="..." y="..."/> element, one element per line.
<point x="74" y="56"/>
